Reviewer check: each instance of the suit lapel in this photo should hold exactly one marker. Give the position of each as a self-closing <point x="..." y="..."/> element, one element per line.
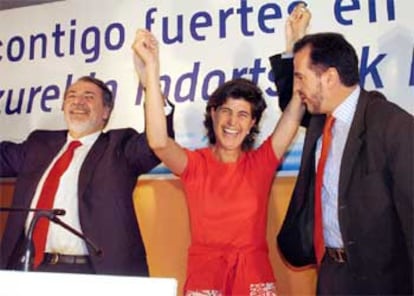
<point x="49" y="149"/>
<point x="45" y="149"/>
<point x="353" y="144"/>
<point x="314" y="132"/>
<point x="91" y="161"/>
<point x="304" y="186"/>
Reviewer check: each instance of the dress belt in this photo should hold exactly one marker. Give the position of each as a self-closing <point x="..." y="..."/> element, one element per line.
<point x="55" y="258"/>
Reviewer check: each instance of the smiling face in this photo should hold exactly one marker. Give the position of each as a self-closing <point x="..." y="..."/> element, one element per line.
<point x="232" y="121"/>
<point x="84" y="109"/>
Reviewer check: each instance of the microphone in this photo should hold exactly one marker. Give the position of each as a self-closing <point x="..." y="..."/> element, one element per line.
<point x="50" y="214"/>
<point x="57" y="212"/>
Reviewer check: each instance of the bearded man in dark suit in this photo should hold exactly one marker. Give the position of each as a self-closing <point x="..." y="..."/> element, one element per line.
<point x="96" y="190"/>
<point x="368" y="180"/>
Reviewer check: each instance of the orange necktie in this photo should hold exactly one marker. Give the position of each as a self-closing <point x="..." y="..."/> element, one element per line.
<point x="319" y="243"/>
<point x="46" y="199"/>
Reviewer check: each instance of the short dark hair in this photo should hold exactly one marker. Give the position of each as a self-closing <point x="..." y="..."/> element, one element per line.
<point x="239" y="88"/>
<point x="331" y="50"/>
<point x="108" y="97"/>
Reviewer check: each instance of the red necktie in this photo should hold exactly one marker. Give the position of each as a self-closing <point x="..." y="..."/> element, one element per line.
<point x="46" y="199"/>
<point x="319" y="243"/>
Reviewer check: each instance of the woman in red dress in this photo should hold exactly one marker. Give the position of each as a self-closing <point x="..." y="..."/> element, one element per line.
<point x="227" y="183"/>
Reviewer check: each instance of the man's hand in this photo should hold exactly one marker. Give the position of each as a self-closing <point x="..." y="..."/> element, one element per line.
<point x="296" y="25"/>
<point x="146" y="58"/>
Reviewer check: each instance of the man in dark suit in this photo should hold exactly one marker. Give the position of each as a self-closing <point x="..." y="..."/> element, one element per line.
<point x="96" y="190"/>
<point x="368" y="179"/>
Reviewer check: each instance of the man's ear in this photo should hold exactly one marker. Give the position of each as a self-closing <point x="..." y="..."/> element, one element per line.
<point x="331" y="77"/>
<point x="107" y="113"/>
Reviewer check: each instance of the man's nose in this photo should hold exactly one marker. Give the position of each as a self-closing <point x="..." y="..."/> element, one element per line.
<point x="79" y="99"/>
<point x="297" y="86"/>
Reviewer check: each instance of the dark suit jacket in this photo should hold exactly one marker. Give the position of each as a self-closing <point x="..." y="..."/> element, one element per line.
<point x="376" y="188"/>
<point x="106" y="182"/>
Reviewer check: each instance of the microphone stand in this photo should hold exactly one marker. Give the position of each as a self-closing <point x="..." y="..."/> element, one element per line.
<point x="28" y="254"/>
<point x="97" y="251"/>
<point x="52" y="216"/>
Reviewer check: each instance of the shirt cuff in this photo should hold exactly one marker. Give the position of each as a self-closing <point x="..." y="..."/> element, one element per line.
<point x="168" y="108"/>
<point x="287" y="55"/>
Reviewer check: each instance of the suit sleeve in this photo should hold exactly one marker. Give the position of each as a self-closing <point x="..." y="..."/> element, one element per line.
<point x="136" y="147"/>
<point x="12" y="157"/>
<point x="170" y="120"/>
<point x="400" y="131"/>
<point x="282" y="68"/>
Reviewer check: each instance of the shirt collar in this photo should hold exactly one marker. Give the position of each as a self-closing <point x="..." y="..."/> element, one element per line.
<point x="345" y="111"/>
<point x="86" y="140"/>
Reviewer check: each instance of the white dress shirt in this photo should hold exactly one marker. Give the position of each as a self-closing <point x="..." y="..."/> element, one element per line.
<point x="60" y="240"/>
<point x="344" y="115"/>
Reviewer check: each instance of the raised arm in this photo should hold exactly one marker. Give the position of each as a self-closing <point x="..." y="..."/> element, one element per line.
<point x="148" y="68"/>
<point x="296" y="26"/>
<point x="282" y="64"/>
<point x="287" y="126"/>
